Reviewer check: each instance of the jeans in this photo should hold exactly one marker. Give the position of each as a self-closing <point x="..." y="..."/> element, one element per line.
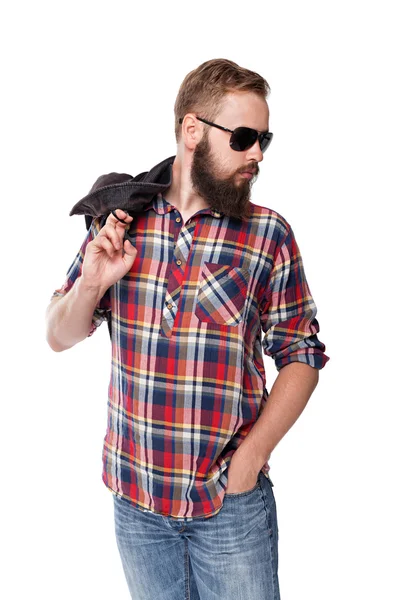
<point x="233" y="554"/>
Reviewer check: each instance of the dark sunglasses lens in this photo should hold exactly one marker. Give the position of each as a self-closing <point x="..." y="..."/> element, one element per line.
<point x="243" y="138"/>
<point x="265" y="141"/>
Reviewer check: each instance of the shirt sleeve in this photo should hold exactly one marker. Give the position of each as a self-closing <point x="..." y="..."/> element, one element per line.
<point x="75" y="271"/>
<point x="288" y="313"/>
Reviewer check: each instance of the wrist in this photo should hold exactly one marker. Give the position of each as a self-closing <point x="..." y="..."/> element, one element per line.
<point x="90" y="288"/>
<point x="247" y="454"/>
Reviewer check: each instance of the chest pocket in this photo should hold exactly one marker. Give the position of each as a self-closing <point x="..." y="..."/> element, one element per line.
<point x="222" y="294"/>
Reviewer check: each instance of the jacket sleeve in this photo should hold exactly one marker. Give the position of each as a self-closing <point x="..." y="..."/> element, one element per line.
<point x="288" y="313"/>
<point x="75" y="271"/>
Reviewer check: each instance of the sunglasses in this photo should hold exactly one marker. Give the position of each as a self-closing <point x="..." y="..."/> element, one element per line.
<point x="243" y="138"/>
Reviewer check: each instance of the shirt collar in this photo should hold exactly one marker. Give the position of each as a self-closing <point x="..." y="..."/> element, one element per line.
<point x="161" y="206"/>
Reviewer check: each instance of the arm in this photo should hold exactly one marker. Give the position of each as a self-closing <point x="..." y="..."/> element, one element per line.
<point x="103" y="259"/>
<point x="69" y="318"/>
<point x="288" y="318"/>
<point x="288" y="397"/>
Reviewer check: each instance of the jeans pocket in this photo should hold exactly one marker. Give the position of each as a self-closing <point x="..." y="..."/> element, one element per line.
<point x="246" y="492"/>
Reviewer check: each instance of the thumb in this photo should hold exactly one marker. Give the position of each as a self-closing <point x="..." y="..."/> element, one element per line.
<point x="130" y="250"/>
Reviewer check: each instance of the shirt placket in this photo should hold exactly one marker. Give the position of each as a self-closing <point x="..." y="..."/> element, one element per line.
<point x="179" y="262"/>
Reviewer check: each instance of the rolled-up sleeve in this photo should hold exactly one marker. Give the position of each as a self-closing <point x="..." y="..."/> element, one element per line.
<point x="75" y="271"/>
<point x="288" y="314"/>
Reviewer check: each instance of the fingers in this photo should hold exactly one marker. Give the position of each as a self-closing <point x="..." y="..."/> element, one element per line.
<point x="104" y="243"/>
<point x="111" y="235"/>
<point x="118" y="219"/>
<point x="120" y="215"/>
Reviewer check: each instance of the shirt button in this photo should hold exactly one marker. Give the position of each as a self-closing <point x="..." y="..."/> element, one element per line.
<point x="178" y="262"/>
<point x="169" y="305"/>
<point x="178" y="219"/>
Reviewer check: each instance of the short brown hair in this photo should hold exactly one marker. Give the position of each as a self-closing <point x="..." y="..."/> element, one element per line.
<point x="203" y="89"/>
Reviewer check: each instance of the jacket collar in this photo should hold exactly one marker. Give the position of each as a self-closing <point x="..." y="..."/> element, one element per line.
<point x="121" y="190"/>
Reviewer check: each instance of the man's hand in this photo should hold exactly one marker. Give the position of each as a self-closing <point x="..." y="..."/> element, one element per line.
<point x="242" y="475"/>
<point x="105" y="262"/>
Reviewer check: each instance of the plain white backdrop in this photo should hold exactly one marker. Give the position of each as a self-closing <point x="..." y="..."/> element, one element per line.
<point x="89" y="88"/>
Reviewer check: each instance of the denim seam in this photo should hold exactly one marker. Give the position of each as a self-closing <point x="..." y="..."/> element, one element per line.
<point x="270" y="542"/>
<point x="187" y="583"/>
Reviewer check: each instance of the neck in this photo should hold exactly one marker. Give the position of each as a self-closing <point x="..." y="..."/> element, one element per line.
<point x="180" y="193"/>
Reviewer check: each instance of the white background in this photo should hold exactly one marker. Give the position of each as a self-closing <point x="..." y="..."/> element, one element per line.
<point x="89" y="88"/>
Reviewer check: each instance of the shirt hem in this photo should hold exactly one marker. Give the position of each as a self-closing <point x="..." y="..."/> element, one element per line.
<point x="156" y="512"/>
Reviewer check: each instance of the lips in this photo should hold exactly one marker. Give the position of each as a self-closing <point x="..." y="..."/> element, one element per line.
<point x="248" y="174"/>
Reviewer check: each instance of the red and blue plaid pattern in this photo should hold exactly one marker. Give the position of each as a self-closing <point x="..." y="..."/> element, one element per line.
<point x="191" y="320"/>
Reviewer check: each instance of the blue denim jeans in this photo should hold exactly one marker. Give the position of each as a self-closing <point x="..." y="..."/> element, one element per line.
<point x="233" y="554"/>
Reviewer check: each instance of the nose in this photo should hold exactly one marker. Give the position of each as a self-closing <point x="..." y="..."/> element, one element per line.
<point x="254" y="153"/>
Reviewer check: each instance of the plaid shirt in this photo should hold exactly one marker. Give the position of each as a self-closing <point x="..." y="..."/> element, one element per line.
<point x="187" y="380"/>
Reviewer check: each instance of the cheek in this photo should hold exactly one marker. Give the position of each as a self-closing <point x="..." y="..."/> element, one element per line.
<point x="225" y="162"/>
<point x="219" y="162"/>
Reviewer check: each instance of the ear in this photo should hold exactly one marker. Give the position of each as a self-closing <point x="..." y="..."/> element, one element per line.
<point x="192" y="130"/>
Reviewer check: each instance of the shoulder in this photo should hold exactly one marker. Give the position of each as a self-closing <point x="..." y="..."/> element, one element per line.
<point x="271" y="220"/>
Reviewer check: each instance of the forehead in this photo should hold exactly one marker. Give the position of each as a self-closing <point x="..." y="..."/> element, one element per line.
<point x="244" y="109"/>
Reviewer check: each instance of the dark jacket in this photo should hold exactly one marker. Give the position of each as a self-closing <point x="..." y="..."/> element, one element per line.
<point x="121" y="190"/>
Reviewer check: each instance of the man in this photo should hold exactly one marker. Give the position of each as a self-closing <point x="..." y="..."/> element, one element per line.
<point x="190" y="281"/>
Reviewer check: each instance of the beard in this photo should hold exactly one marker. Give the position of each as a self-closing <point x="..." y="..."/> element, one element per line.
<point x="223" y="195"/>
